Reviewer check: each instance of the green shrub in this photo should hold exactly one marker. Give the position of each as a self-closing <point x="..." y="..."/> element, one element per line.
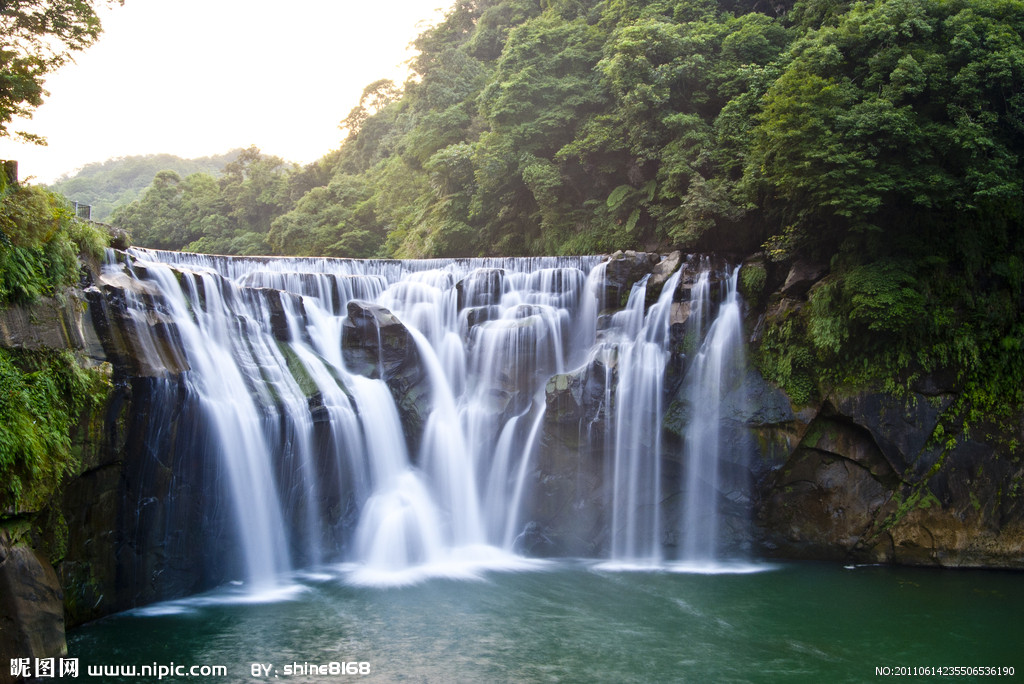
<point x="883" y="324"/>
<point x="785" y="357"/>
<point x="42" y="398"/>
<point x="40" y="240"/>
<point x="753" y="278"/>
<point x="30" y="216"/>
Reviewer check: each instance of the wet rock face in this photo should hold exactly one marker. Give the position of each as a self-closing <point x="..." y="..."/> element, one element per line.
<point x="865" y="484"/>
<point x="825" y="498"/>
<point x="568" y="505"/>
<point x="121" y="337"/>
<point x="275" y="303"/>
<point x="579" y="396"/>
<point x="375" y="343"/>
<point x="31" y="606"/>
<point x="483" y="287"/>
<point x="142" y="499"/>
<point x="858" y="476"/>
<point x="511" y="353"/>
<point x="660" y="274"/>
<point x="378" y="345"/>
<point x="624" y="269"/>
<point x="44" y="324"/>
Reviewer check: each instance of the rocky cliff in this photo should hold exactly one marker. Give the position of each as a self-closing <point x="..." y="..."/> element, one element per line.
<point x="34" y="533"/>
<point x="115" y="532"/>
<point x="874" y="476"/>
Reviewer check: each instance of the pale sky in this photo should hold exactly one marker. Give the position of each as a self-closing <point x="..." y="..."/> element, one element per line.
<point x="200" y="77"/>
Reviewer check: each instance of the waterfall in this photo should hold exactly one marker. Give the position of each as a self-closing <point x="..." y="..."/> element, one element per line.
<point x="636" y="457"/>
<point x="713" y="372"/>
<point x="391" y="415"/>
<point x="224" y="355"/>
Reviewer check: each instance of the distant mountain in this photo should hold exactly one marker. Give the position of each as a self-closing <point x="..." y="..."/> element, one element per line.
<point x="116" y="182"/>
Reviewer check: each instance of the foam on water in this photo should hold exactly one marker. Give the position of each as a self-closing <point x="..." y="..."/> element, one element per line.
<point x="459" y="563"/>
<point x="723" y="567"/>
<point x="235" y="593"/>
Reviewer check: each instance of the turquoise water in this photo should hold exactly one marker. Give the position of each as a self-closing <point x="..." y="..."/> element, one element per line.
<point x="577" y="622"/>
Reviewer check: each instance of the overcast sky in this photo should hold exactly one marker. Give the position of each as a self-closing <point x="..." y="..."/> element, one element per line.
<point x="200" y="77"/>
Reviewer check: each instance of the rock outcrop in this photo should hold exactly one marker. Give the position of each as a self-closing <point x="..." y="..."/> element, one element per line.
<point x="378" y="345"/>
<point x="866" y="484"/>
<point x="862" y="477"/>
<point x="31" y="605"/>
<point x="570" y="493"/>
<point x="622" y="271"/>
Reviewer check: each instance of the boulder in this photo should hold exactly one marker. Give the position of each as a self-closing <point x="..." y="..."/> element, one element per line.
<point x="376" y="344"/>
<point x="533" y="542"/>
<point x="622" y="271"/>
<point x="482" y="287"/>
<point x="661" y="273"/>
<point x="31" y="606"/>
<point x="472" y="316"/>
<point x="802" y="275"/>
<point x="578" y="397"/>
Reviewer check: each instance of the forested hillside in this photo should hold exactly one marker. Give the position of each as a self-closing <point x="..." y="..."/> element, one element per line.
<point x="117" y="182"/>
<point x="880" y="141"/>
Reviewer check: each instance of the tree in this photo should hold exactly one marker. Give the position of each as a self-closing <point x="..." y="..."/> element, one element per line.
<point x="335" y="220"/>
<point x="37" y="37"/>
<point x="375" y="97"/>
<point x="889" y="147"/>
<point x="542" y="87"/>
<point x="255" y="186"/>
<point x="118" y="182"/>
<point x="154" y="220"/>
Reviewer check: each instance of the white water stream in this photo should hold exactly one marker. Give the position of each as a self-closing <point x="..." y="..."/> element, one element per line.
<point x="302" y="438"/>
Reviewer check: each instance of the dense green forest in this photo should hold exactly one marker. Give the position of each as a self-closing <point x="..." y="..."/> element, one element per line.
<point x="578" y="126"/>
<point x="230" y="213"/>
<point x="117" y="182"/>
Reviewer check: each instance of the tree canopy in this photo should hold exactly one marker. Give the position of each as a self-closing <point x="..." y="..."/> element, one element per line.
<point x="37" y="37"/>
<point x="120" y="181"/>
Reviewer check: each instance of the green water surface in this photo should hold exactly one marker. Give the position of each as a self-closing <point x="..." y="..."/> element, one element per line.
<point x="574" y="622"/>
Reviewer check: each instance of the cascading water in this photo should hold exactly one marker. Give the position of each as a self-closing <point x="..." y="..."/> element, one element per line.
<point x="640" y="347"/>
<point x="389" y="413"/>
<point x="714" y="371"/>
<point x="224" y="355"/>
